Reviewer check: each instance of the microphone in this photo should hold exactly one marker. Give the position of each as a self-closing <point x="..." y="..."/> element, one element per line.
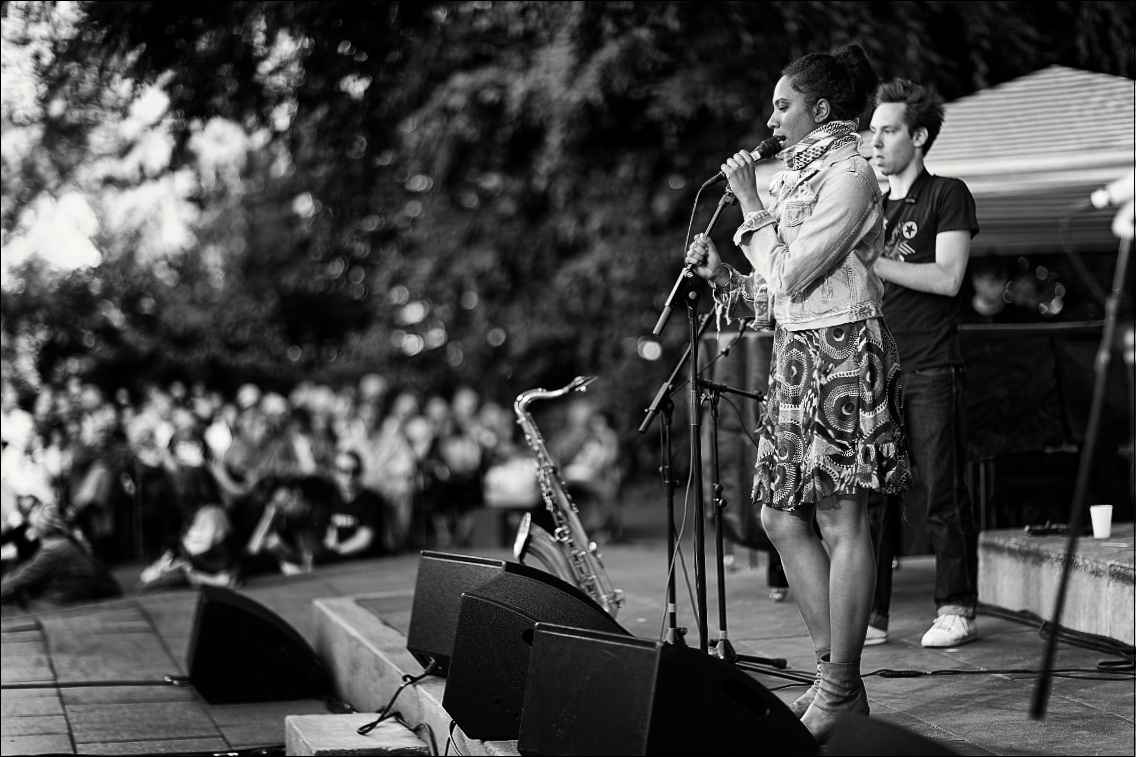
<point x="764" y="151"/>
<point x="1116" y="193"/>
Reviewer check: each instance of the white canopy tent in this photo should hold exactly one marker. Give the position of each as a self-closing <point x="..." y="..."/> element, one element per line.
<point x="1032" y="150"/>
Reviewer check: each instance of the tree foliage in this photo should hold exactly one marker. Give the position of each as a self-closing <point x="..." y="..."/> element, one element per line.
<point x="493" y="193"/>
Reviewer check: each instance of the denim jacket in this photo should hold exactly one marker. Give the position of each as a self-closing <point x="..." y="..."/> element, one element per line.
<point x="813" y="249"/>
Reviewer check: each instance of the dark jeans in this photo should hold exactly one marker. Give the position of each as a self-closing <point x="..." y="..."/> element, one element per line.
<point x="939" y="502"/>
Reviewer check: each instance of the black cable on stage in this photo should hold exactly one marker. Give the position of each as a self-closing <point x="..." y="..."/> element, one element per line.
<point x="432" y="743"/>
<point x="272" y="750"/>
<point x="167" y="680"/>
<point x="407" y="680"/>
<point x="1024" y="672"/>
<point x="1081" y="639"/>
<point x="450" y="740"/>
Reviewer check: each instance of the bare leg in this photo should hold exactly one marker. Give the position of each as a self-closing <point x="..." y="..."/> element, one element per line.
<point x="806" y="565"/>
<point x="843" y="521"/>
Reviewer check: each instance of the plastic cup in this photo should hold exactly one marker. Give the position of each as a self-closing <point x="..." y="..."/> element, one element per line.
<point x="1102" y="521"/>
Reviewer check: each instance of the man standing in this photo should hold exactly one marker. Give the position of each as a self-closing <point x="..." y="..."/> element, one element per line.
<point x="928" y="224"/>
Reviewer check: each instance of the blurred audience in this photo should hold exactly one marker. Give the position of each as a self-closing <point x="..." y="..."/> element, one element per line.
<point x="205" y="488"/>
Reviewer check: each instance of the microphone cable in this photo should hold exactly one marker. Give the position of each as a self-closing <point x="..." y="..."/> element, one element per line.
<point x="678" y="554"/>
<point x="1082" y="639"/>
<point x="407" y="680"/>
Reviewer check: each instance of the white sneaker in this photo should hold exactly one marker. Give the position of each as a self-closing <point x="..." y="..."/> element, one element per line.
<point x="950" y="631"/>
<point x="875" y="636"/>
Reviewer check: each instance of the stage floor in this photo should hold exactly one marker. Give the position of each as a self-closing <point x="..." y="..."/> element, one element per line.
<point x="140" y="638"/>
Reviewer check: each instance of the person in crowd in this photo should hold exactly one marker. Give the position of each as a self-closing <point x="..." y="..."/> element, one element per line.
<point x="510" y="479"/>
<point x="149" y="436"/>
<point x="289" y="532"/>
<point x="993" y="300"/>
<point x="237" y="468"/>
<point x="17" y="537"/>
<point x="587" y="450"/>
<point x="357" y="524"/>
<point x="832" y="430"/>
<point x="279" y="453"/>
<point x="63" y="570"/>
<point x="929" y="222"/>
<point x="17" y="431"/>
<point x="452" y="470"/>
<point x="218" y="434"/>
<point x="391" y="465"/>
<point x="319" y="433"/>
<point x="93" y="484"/>
<point x="204" y="551"/>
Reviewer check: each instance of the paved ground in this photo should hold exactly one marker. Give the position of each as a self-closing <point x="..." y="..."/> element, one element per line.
<point x="88" y="680"/>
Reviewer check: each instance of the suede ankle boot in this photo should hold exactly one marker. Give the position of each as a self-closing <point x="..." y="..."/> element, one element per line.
<point x="801" y="703"/>
<point x="841" y="693"/>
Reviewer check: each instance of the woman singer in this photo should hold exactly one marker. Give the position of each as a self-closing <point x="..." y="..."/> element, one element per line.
<point x="832" y="429"/>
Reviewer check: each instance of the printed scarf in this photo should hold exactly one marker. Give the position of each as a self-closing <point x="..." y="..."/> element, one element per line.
<point x="819" y="141"/>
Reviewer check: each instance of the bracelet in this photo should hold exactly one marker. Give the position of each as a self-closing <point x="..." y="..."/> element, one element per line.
<point x="723" y="287"/>
<point x="753" y="221"/>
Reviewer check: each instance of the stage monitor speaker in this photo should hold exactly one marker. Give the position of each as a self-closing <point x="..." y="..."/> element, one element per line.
<point x="595" y="693"/>
<point x="241" y="651"/>
<point x="442" y="579"/>
<point x="871" y="736"/>
<point x="489" y="668"/>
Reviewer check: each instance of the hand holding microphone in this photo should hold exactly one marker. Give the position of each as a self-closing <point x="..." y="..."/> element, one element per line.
<point x="764" y="151"/>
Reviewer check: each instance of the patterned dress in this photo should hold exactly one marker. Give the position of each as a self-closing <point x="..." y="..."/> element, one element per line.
<point x="833" y="419"/>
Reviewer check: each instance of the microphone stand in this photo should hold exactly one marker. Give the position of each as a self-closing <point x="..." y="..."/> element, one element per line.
<point x="674" y="634"/>
<point x="724" y="650"/>
<point x="663" y="401"/>
<point x="684" y="284"/>
<point x="692" y="297"/>
<point x="1084" y="471"/>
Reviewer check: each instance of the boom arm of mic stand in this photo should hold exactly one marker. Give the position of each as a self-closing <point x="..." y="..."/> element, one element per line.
<point x="730" y="390"/>
<point x="687" y="272"/>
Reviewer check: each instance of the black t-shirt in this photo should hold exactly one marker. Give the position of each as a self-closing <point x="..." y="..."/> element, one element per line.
<point x="366" y="510"/>
<point x="925" y="325"/>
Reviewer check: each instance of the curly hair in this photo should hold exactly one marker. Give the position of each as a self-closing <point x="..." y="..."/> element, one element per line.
<point x="924" y="107"/>
<point x="843" y="76"/>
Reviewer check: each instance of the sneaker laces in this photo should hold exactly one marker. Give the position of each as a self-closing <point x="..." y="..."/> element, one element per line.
<point x="949" y="622"/>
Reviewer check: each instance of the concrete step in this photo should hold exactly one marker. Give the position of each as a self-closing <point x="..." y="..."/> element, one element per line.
<point x="368" y="658"/>
<point x="327" y="735"/>
<point x="1017" y="571"/>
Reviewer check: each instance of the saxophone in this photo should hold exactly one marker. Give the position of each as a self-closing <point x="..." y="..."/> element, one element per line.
<point x="567" y="553"/>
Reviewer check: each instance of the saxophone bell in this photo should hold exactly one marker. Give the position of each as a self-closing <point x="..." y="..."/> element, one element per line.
<point x="533" y="541"/>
